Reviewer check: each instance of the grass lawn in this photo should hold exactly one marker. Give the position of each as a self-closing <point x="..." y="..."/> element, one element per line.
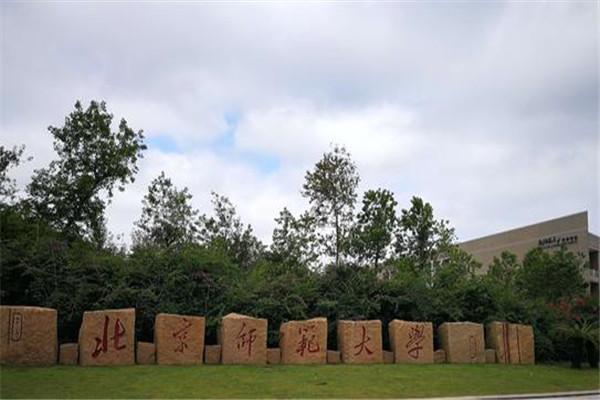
<point x="315" y="381"/>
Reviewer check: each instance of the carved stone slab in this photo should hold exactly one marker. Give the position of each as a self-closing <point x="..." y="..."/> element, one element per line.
<point x="106" y="337"/>
<point x="68" y="354"/>
<point x="360" y="342"/>
<point x="513" y="343"/>
<point x="243" y="339"/>
<point x="462" y="341"/>
<point x="212" y="354"/>
<point x="28" y="335"/>
<point x="303" y="342"/>
<point x="411" y="342"/>
<point x="179" y="339"/>
<point x="146" y="353"/>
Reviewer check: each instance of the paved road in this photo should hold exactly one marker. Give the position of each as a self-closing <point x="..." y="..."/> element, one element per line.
<point x="587" y="395"/>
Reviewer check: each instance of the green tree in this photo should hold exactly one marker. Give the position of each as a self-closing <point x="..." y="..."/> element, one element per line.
<point x="375" y="226"/>
<point x="168" y="218"/>
<point x="421" y="238"/>
<point x="331" y="190"/>
<point x="295" y="241"/>
<point x="72" y="192"/>
<point x="551" y="276"/>
<point x="226" y="232"/>
<point x="504" y="269"/>
<point x="9" y="158"/>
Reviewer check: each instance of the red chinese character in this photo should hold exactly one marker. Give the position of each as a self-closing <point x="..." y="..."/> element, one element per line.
<point x="304" y="344"/>
<point x="181" y="335"/>
<point x="102" y="344"/>
<point x="363" y="344"/>
<point x="415" y="337"/>
<point x="246" y="338"/>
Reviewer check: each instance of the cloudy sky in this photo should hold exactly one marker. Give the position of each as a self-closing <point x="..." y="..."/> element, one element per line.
<point x="489" y="111"/>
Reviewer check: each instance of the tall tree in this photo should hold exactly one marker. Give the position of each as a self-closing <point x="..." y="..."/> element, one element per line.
<point x="294" y="239"/>
<point x="9" y="158"/>
<point x="168" y="218"/>
<point x="70" y="193"/>
<point x="421" y="238"/>
<point x="375" y="226"/>
<point x="225" y="231"/>
<point x="331" y="190"/>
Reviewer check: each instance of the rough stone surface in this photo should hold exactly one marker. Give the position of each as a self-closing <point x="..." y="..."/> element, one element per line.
<point x="462" y="341"/>
<point x="303" y="342"/>
<point x="28" y="335"/>
<point x="439" y="356"/>
<point x="411" y="342"/>
<point x="106" y="337"/>
<point x="333" y="357"/>
<point x="212" y="354"/>
<point x="388" y="357"/>
<point x="513" y="343"/>
<point x="526" y="343"/>
<point x="68" y="354"/>
<point x="273" y="356"/>
<point x="490" y="356"/>
<point x="179" y="339"/>
<point x="360" y="342"/>
<point x="146" y="353"/>
<point x="243" y="339"/>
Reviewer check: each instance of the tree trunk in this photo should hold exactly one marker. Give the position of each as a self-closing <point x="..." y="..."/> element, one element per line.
<point x="592" y="354"/>
<point x="576" y="352"/>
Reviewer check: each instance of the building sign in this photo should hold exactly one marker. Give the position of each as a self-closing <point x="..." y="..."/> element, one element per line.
<point x="556" y="241"/>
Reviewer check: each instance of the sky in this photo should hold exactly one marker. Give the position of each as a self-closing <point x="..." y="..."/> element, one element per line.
<point x="486" y="110"/>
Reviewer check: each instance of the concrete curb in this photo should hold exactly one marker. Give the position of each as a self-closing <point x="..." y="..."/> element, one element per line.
<point x="573" y="395"/>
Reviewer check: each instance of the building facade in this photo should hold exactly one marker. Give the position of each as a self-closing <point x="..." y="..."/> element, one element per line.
<point x="571" y="231"/>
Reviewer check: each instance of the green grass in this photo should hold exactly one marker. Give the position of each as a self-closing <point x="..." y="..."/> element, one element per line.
<point x="316" y="381"/>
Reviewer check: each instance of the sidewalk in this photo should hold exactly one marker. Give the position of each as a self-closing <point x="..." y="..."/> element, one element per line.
<point x="580" y="395"/>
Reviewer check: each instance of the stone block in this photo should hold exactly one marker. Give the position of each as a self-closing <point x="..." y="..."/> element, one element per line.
<point x="303" y="342"/>
<point x="212" y="354"/>
<point x="333" y="357"/>
<point x="243" y="339"/>
<point x="68" y="354"/>
<point x="360" y="342"/>
<point x="107" y="337"/>
<point x="526" y="344"/>
<point x="462" y="341"/>
<point x="388" y="357"/>
<point x="411" y="342"/>
<point x="439" y="356"/>
<point x="179" y="339"/>
<point x="513" y="343"/>
<point x="28" y="335"/>
<point x="273" y="356"/>
<point x="490" y="356"/>
<point x="146" y="353"/>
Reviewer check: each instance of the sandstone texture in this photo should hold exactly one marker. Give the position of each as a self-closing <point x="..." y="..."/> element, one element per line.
<point x="411" y="342"/>
<point x="360" y="342"/>
<point x="333" y="357"/>
<point x="243" y="339"/>
<point x="146" y="353"/>
<point x="69" y="354"/>
<point x="490" y="356"/>
<point x="462" y="341"/>
<point x="513" y="343"/>
<point x="28" y="335"/>
<point x="303" y="342"/>
<point x="212" y="354"/>
<point x="179" y="339"/>
<point x="273" y="356"/>
<point x="439" y="356"/>
<point x="106" y="337"/>
<point x="388" y="357"/>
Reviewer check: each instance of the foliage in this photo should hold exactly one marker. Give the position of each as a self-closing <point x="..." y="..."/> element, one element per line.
<point x="9" y="158"/>
<point x="168" y="218"/>
<point x="374" y="227"/>
<point x="295" y="242"/>
<point x="331" y="191"/>
<point x="420" y="237"/>
<point x="550" y="276"/>
<point x="226" y="232"/>
<point x="70" y="193"/>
